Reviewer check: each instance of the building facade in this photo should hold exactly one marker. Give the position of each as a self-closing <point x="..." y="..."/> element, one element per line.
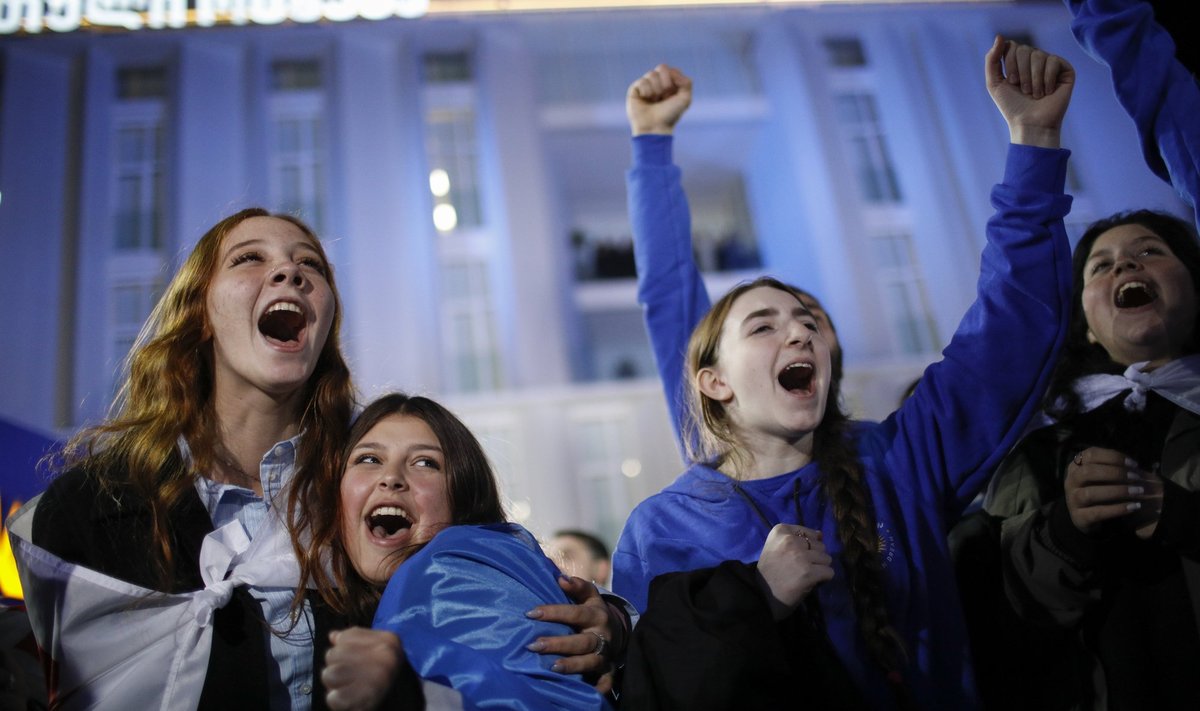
<point x="467" y="176"/>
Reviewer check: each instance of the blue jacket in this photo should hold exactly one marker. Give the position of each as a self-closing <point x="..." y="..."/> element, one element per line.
<point x="923" y="464"/>
<point x="459" y="604"/>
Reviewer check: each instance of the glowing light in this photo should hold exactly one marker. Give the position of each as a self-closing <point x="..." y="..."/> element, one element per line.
<point x="520" y="511"/>
<point x="444" y="217"/>
<point x="10" y="584"/>
<point x="631" y="468"/>
<point x="439" y="182"/>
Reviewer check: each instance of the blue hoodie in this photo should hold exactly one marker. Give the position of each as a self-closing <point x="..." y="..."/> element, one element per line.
<point x="923" y="464"/>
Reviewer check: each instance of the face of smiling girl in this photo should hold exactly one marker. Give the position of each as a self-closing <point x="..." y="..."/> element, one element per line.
<point x="269" y="309"/>
<point x="1138" y="297"/>
<point x="773" y="367"/>
<point x="393" y="495"/>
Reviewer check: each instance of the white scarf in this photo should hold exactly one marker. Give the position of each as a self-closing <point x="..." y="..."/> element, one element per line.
<point x="121" y="646"/>
<point x="1177" y="382"/>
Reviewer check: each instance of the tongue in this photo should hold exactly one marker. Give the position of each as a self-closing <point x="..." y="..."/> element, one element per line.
<point x="281" y="325"/>
<point x="796" y="378"/>
<point x="380" y="532"/>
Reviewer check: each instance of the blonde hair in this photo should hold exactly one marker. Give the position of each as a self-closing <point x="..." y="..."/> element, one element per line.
<point x="166" y="393"/>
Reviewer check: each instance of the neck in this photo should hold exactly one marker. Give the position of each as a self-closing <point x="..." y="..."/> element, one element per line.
<point x="767" y="456"/>
<point x="246" y="428"/>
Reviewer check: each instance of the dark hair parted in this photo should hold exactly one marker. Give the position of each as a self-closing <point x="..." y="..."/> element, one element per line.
<point x="167" y="394"/>
<point x="470" y="485"/>
<point x="713" y="439"/>
<point x="1079" y="357"/>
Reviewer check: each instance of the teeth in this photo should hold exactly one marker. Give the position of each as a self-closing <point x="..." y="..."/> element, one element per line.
<point x="1133" y="285"/>
<point x="284" y="306"/>
<point x="799" y="365"/>
<point x="391" y="511"/>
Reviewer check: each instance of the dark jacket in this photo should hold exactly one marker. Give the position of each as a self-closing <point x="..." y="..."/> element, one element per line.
<point x="1135" y="604"/>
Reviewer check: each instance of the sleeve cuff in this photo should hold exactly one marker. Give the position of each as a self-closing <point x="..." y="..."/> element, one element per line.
<point x="1038" y="169"/>
<point x="652" y="149"/>
<point x="1075" y="545"/>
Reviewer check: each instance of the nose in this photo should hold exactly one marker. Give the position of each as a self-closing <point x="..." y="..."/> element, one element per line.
<point x="288" y="273"/>
<point x="391" y="482"/>
<point x="799" y="335"/>
<point x="1127" y="263"/>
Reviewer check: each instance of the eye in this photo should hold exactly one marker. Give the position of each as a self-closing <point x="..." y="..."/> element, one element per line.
<point x="429" y="462"/>
<point x="245" y="257"/>
<point x="761" y="328"/>
<point x="313" y="263"/>
<point x="367" y="458"/>
<point x="812" y="326"/>
<point x="1098" y="267"/>
<point x="1151" y="251"/>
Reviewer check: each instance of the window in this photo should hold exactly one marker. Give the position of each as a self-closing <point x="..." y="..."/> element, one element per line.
<point x="845" y="52"/>
<point x="136" y="261"/>
<point x="138" y="183"/>
<point x="297" y="145"/>
<point x="469" y="330"/>
<point x="872" y="165"/>
<point x="906" y="306"/>
<point x="130" y="303"/>
<point x="453" y="168"/>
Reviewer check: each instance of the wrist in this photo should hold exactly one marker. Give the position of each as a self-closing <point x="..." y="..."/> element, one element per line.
<point x="1040" y="136"/>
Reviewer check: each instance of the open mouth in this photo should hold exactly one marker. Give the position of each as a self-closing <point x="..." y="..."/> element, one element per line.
<point x="1133" y="295"/>
<point x="283" y="321"/>
<point x="387" y="521"/>
<point x="797" y="378"/>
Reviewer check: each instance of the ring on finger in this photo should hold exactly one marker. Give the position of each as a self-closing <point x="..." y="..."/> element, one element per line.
<point x="807" y="540"/>
<point x="1079" y="459"/>
<point x="601" y="649"/>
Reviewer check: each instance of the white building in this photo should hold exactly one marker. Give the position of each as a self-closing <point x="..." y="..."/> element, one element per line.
<point x="467" y="173"/>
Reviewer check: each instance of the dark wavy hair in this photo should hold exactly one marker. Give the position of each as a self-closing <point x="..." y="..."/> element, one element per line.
<point x="1079" y="357"/>
<point x="470" y="485"/>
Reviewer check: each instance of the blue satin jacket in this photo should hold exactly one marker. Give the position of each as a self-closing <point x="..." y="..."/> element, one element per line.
<point x="459" y="608"/>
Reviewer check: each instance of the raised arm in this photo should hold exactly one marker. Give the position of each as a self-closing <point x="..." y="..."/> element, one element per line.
<point x="963" y="418"/>
<point x="670" y="287"/>
<point x="1152" y="85"/>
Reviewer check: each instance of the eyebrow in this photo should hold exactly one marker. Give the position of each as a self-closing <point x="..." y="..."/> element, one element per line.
<point x="1105" y="251"/>
<point x="256" y="241"/>
<point x="378" y="445"/>
<point x="800" y="310"/>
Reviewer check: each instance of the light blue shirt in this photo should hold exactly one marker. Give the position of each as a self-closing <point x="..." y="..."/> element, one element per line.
<point x="291" y="672"/>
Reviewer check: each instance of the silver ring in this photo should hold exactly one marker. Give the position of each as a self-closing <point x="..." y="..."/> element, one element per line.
<point x="1079" y="459"/>
<point x="601" y="649"/>
<point x="807" y="540"/>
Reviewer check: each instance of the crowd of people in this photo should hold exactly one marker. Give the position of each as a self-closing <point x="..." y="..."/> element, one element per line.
<point x="239" y="534"/>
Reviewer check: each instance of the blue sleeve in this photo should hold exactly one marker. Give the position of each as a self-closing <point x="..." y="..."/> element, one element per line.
<point x="459" y="608"/>
<point x="670" y="288"/>
<point x="1152" y="85"/>
<point x="971" y="407"/>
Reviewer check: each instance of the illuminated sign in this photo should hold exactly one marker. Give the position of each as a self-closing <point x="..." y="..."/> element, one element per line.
<point x="67" y="15"/>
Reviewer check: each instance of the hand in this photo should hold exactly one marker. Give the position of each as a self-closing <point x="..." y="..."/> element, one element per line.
<point x="657" y="99"/>
<point x="1104" y="485"/>
<point x="360" y="668"/>
<point x="792" y="563"/>
<point x="1031" y="88"/>
<point x="592" y="619"/>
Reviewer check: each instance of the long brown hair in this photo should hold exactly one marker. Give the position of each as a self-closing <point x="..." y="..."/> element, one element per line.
<point x="470" y="485"/>
<point x="713" y="440"/>
<point x="166" y="393"/>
